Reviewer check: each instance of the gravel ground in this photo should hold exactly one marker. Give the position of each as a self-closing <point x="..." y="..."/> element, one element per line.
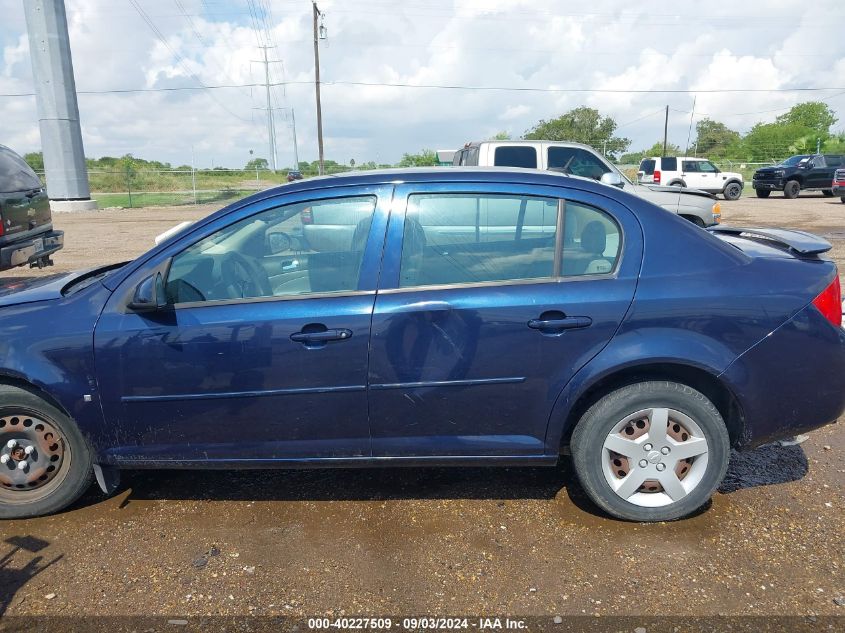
<point x="438" y="541"/>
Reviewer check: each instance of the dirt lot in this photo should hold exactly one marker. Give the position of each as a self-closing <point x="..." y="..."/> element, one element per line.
<point x="439" y="542"/>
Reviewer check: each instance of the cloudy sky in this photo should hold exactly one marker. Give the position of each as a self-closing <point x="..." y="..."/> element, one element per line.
<point x="554" y="52"/>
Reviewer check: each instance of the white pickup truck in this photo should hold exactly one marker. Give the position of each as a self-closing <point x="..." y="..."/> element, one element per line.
<point x="697" y="206"/>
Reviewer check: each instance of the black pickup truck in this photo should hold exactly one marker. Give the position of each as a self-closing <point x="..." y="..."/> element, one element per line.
<point x="26" y="225"/>
<point x="805" y="172"/>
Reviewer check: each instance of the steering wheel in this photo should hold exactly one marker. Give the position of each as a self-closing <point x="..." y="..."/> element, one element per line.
<point x="243" y="278"/>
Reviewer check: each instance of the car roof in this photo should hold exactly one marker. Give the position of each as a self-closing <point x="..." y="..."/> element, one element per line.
<point x="527" y="142"/>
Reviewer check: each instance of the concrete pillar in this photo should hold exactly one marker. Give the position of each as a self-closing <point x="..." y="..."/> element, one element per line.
<point x="58" y="113"/>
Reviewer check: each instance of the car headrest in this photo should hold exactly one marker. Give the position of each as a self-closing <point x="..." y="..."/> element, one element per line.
<point x="594" y="238"/>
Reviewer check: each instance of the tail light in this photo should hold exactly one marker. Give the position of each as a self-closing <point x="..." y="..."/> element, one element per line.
<point x="656" y="177"/>
<point x="829" y="302"/>
<point x="306" y="216"/>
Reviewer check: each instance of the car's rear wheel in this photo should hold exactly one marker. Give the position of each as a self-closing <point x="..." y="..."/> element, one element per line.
<point x="45" y="463"/>
<point x="651" y="451"/>
<point x="732" y="191"/>
<point x="762" y="193"/>
<point x="792" y="189"/>
<point x="827" y="193"/>
<point x="677" y="183"/>
<point x="842" y="199"/>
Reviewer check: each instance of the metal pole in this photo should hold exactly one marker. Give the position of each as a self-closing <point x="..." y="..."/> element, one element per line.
<point x="58" y="112"/>
<point x="193" y="175"/>
<point x="665" y="130"/>
<point x="271" y="132"/>
<point x="317" y="87"/>
<point x="295" y="148"/>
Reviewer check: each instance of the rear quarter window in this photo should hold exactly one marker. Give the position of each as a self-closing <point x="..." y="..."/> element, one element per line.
<point x="669" y="164"/>
<point x="647" y="167"/>
<point x="833" y="161"/>
<point x="15" y="174"/>
<point x="515" y="156"/>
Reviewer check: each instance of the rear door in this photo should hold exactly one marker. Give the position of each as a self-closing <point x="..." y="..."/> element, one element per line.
<point x="491" y="297"/>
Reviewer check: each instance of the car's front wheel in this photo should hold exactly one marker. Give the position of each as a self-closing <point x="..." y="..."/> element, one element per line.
<point x="45" y="463"/>
<point x="651" y="451"/>
<point x="732" y="191"/>
<point x="792" y="189"/>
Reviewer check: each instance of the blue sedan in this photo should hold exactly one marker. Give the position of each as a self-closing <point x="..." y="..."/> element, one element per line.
<point x="437" y="317"/>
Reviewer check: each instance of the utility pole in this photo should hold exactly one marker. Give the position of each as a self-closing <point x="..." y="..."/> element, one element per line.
<point x="295" y="148"/>
<point x="665" y="130"/>
<point x="58" y="111"/>
<point x="318" y="33"/>
<point x="271" y="128"/>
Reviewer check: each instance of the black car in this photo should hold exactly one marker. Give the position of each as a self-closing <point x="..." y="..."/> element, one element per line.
<point x="26" y="226"/>
<point x="804" y="172"/>
<point x="294" y="174"/>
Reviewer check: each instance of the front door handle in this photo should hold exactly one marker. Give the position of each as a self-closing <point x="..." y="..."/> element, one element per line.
<point x="321" y="336"/>
<point x="558" y="325"/>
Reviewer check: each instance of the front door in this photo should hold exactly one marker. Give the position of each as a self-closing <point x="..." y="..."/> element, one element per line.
<point x="495" y="299"/>
<point x="261" y="352"/>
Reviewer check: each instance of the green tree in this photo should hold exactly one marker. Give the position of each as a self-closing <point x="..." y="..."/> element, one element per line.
<point x="258" y="163"/>
<point x="426" y="158"/>
<point x="772" y="141"/>
<point x="501" y="136"/>
<point x="714" y="138"/>
<point x="582" y="125"/>
<point x="814" y="115"/>
<point x="35" y="160"/>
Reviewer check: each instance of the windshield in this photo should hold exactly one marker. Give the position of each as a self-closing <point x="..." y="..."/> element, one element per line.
<point x="794" y="160"/>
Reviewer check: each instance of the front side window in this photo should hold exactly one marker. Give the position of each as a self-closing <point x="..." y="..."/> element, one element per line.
<point x="515" y="156"/>
<point x="470" y="238"/>
<point x="707" y="167"/>
<point x="576" y="161"/>
<point x="300" y="249"/>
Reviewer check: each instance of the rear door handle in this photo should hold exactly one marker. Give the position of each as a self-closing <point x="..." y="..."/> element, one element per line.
<point x="565" y="323"/>
<point x="323" y="336"/>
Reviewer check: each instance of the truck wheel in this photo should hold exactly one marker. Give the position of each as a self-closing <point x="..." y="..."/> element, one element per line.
<point x="45" y="463"/>
<point x="762" y="193"/>
<point x="651" y="451"/>
<point x="733" y="190"/>
<point x="827" y="193"/>
<point x="792" y="189"/>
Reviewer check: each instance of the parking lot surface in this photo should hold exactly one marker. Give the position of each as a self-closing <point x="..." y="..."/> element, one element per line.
<point x="436" y="541"/>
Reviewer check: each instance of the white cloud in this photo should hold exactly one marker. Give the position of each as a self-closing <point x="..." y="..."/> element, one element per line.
<point x="517" y="43"/>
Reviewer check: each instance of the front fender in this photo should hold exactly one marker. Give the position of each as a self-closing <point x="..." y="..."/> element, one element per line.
<point x="48" y="345"/>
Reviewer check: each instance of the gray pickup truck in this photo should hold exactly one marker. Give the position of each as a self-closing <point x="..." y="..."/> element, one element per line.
<point x="26" y="225"/>
<point x="697" y="206"/>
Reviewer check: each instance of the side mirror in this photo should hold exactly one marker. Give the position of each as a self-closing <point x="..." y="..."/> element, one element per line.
<point x="277" y="243"/>
<point x="613" y="179"/>
<point x="149" y="295"/>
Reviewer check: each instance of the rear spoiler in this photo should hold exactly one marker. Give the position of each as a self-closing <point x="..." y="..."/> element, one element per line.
<point x="798" y="241"/>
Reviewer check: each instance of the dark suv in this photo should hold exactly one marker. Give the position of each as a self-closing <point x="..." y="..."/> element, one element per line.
<point x="807" y="172"/>
<point x="26" y="226"/>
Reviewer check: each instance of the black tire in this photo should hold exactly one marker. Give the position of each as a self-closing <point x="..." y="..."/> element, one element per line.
<point x="842" y="199"/>
<point x="792" y="189"/>
<point x="677" y="183"/>
<point x="827" y="193"/>
<point x="732" y="191"/>
<point x="21" y="413"/>
<point x="762" y="193"/>
<point x="597" y="423"/>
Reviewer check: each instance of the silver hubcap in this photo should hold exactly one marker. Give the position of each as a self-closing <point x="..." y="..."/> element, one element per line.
<point x="32" y="454"/>
<point x="654" y="457"/>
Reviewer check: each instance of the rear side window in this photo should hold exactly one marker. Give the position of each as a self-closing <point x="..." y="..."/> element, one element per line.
<point x="515" y="156"/>
<point x="833" y="160"/>
<point x="647" y="167"/>
<point x="669" y="163"/>
<point x="576" y="161"/>
<point x="15" y="174"/>
<point x="691" y="165"/>
<point x="470" y="238"/>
